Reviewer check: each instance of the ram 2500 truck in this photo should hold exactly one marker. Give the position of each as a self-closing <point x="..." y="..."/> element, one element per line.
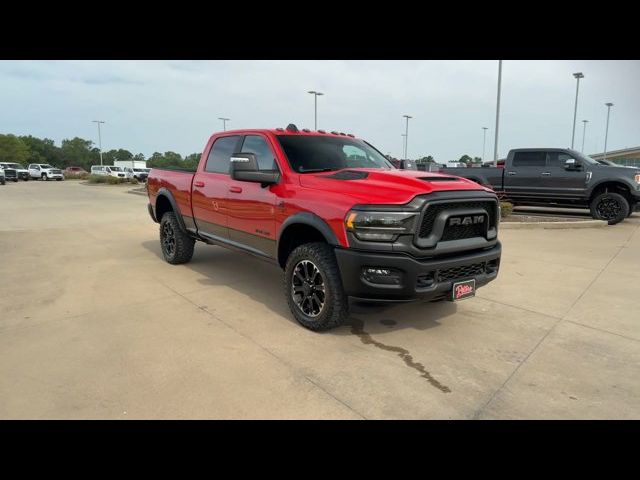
<point x="335" y="215"/>
<point x="561" y="177"/>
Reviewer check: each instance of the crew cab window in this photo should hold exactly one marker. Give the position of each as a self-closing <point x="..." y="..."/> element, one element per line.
<point x="529" y="159"/>
<point x="258" y="146"/>
<point x="218" y="160"/>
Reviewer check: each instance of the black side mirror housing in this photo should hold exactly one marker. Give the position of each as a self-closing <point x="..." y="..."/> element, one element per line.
<point x="244" y="168"/>
<point x="572" y="164"/>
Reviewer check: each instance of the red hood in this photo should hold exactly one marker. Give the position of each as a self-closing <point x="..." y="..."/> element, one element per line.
<point x="388" y="186"/>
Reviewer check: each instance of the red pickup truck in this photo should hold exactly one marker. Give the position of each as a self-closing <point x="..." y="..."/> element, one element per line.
<point x="335" y="215"/>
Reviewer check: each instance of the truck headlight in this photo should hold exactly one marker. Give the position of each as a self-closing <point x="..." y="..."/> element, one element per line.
<point x="637" y="177"/>
<point x="380" y="226"/>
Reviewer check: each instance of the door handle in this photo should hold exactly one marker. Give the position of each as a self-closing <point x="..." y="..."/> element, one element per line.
<point x="235" y="189"/>
<point x="511" y="173"/>
<point x="198" y="184"/>
<point x="546" y="173"/>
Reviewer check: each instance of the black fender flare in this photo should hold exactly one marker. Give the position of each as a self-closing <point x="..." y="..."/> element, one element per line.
<point x="310" y="219"/>
<point x="164" y="192"/>
<point x="594" y="187"/>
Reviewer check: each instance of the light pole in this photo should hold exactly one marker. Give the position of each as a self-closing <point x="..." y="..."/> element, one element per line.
<point x="495" y="143"/>
<point x="224" y="123"/>
<point x="484" y="141"/>
<point x="99" y="137"/>
<point x="406" y="137"/>
<point x="606" y="132"/>
<point x="404" y="143"/>
<point x="584" y="133"/>
<point x="315" y="107"/>
<point x="577" y="76"/>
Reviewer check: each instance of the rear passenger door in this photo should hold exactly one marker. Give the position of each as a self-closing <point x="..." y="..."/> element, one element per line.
<point x="251" y="206"/>
<point x="523" y="178"/>
<point x="210" y="188"/>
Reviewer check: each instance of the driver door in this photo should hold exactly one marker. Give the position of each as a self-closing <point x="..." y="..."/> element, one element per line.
<point x="562" y="183"/>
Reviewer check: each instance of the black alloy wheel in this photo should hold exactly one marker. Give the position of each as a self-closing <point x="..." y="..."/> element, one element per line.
<point x="168" y="236"/>
<point x="307" y="288"/>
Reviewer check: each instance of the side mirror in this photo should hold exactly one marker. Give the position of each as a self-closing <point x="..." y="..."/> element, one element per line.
<point x="571" y="164"/>
<point x="244" y="168"/>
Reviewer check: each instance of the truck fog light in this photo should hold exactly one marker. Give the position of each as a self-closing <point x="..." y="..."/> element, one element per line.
<point x="381" y="275"/>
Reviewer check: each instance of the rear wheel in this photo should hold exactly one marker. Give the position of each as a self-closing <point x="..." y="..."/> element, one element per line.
<point x="611" y="207"/>
<point x="177" y="246"/>
<point x="313" y="287"/>
<point x="15" y="180"/>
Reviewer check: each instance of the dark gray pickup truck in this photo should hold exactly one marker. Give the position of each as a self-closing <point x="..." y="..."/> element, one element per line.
<point x="561" y="177"/>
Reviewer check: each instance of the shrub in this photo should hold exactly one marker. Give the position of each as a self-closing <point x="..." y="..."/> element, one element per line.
<point x="134" y="181"/>
<point x="505" y="209"/>
<point x="98" y="178"/>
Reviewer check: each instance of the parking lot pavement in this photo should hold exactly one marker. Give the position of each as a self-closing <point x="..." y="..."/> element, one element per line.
<point x="93" y="324"/>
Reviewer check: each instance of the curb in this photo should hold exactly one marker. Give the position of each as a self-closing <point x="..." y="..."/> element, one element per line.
<point x="552" y="225"/>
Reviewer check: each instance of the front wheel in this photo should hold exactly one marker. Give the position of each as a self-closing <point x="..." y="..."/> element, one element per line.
<point x="313" y="287"/>
<point x="177" y="246"/>
<point x="44" y="177"/>
<point x="611" y="207"/>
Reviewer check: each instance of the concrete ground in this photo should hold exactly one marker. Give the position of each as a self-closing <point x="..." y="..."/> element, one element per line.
<point x="94" y="324"/>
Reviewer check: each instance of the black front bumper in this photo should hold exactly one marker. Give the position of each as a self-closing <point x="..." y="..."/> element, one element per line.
<point x="428" y="279"/>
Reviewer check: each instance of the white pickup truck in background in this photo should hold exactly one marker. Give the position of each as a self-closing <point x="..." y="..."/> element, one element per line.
<point x="44" y="171"/>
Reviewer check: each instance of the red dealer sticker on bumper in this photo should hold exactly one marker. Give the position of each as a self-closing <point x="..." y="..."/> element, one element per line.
<point x="463" y="290"/>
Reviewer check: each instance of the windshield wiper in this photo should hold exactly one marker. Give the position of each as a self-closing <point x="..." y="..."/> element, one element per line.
<point x="315" y="170"/>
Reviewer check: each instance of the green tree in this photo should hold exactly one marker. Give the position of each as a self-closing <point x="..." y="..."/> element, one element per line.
<point x="78" y="152"/>
<point x="13" y="149"/>
<point x="42" y="150"/>
<point x="466" y="159"/>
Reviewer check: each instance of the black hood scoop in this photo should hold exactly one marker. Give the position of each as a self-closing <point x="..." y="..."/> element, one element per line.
<point x="440" y="179"/>
<point x="348" y="175"/>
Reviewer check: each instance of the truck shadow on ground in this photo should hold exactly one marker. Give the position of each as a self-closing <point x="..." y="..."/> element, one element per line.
<point x="262" y="282"/>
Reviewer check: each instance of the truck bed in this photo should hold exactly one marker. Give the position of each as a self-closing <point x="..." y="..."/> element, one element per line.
<point x="488" y="176"/>
<point x="177" y="181"/>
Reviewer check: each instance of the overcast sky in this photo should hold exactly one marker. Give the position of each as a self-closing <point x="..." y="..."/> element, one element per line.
<point x="174" y="105"/>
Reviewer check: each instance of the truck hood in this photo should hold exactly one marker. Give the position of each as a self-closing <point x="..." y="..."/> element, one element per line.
<point x="377" y="186"/>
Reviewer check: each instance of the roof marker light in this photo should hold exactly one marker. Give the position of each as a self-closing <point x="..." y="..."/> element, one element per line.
<point x="321" y="131"/>
<point x="292" y="128"/>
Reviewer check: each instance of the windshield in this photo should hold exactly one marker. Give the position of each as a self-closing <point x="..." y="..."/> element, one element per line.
<point x="116" y="169"/>
<point x="45" y="165"/>
<point x="13" y="165"/>
<point x="319" y="153"/>
<point x="584" y="158"/>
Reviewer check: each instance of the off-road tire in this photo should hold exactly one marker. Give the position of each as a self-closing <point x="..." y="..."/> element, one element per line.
<point x="3" y="181"/>
<point x="180" y="250"/>
<point x="15" y="180"/>
<point x="335" y="308"/>
<point x="611" y="207"/>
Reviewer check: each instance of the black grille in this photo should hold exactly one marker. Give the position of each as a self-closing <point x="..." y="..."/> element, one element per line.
<point x="462" y="271"/>
<point x="10" y="173"/>
<point x="56" y="172"/>
<point x="470" y="230"/>
<point x="457" y="232"/>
